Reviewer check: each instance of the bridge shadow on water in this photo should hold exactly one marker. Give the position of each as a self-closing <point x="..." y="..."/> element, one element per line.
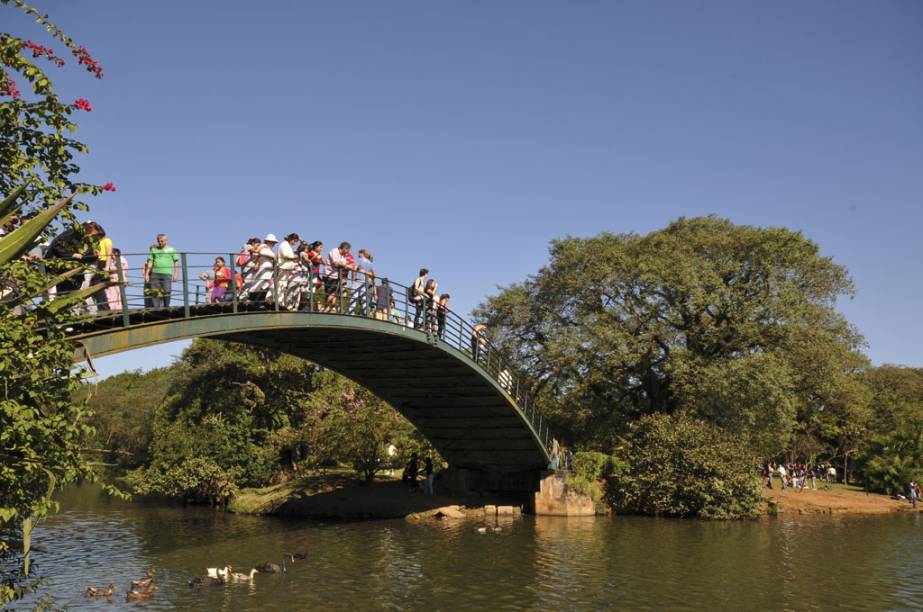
<point x="381" y="500"/>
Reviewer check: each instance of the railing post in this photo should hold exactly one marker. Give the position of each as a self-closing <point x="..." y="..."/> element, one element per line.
<point x="275" y="284"/>
<point x="196" y="295"/>
<point x="185" y="285"/>
<point x="122" y="295"/>
<point x="232" y="286"/>
<point x="340" y="289"/>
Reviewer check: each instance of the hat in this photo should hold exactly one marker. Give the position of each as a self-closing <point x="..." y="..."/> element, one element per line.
<point x="270" y="238"/>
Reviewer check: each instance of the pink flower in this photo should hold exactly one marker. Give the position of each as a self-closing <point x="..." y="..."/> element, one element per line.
<point x="83" y="104"/>
<point x="108" y="187"/>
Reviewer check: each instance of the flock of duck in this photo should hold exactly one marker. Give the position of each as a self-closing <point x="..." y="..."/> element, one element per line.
<point x="145" y="588"/>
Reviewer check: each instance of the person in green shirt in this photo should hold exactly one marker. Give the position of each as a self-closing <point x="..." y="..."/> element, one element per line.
<point x="160" y="271"/>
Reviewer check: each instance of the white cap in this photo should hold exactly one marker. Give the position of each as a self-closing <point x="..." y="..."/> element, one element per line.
<point x="270" y="238"/>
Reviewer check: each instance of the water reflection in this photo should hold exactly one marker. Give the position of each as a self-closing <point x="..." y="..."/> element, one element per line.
<point x="530" y="563"/>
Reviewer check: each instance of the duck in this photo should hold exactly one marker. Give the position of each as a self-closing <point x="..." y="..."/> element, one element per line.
<point x="99" y="591"/>
<point x="144" y="582"/>
<point x="217" y="572"/>
<point x="136" y="595"/>
<point x="237" y="576"/>
<point x="205" y="581"/>
<point x="272" y="568"/>
<point x="482" y="529"/>
<point x="293" y="556"/>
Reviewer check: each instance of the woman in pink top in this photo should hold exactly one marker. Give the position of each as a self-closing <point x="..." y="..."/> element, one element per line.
<point x="113" y="294"/>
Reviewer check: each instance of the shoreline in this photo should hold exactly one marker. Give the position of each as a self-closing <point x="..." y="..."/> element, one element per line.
<point x="837" y="500"/>
<point x="337" y="495"/>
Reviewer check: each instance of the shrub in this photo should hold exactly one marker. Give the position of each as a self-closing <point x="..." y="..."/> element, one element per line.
<point x="679" y="466"/>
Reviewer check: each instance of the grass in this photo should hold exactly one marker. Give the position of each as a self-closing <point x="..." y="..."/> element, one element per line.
<point x="260" y="500"/>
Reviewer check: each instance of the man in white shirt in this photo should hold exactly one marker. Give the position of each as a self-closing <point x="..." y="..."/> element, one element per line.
<point x="287" y="261"/>
<point x="338" y="269"/>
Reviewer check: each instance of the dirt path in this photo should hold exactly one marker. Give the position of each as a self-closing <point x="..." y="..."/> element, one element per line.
<point x="837" y="500"/>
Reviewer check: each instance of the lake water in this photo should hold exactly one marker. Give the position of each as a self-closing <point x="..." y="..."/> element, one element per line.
<point x="531" y="563"/>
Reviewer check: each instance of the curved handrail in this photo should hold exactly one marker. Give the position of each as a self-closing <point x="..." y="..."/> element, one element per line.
<point x="296" y="290"/>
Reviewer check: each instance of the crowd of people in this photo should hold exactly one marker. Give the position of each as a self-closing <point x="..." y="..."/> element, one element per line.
<point x="294" y="273"/>
<point x="797" y="475"/>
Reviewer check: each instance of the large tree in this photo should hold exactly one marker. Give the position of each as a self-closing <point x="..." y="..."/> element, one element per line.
<point x="732" y="323"/>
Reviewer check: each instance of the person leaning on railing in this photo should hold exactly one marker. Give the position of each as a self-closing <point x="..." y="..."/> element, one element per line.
<point x="161" y="270"/>
<point x="478" y="341"/>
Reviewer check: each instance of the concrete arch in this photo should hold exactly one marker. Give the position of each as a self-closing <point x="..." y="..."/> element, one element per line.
<point x="473" y="421"/>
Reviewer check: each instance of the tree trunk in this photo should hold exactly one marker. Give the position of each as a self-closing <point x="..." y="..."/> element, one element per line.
<point x="26" y="544"/>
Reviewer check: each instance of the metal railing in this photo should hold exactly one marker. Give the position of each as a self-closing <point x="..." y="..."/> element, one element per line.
<point x="247" y="285"/>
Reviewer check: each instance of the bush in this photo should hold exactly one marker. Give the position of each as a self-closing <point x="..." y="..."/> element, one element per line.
<point x="681" y="467"/>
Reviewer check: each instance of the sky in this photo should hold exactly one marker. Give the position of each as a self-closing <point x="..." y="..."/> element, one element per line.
<point x="464" y="136"/>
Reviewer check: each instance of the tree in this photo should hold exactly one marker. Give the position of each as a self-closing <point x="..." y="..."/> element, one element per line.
<point x="681" y="466"/>
<point x="735" y="324"/>
<point x="40" y="425"/>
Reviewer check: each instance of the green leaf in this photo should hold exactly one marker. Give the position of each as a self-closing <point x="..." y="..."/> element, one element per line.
<point x="20" y="240"/>
<point x="75" y="298"/>
<point x="8" y="205"/>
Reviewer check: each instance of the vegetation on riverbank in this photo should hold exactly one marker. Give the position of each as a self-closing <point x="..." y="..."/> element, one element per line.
<point x="733" y="327"/>
<point x="227" y="416"/>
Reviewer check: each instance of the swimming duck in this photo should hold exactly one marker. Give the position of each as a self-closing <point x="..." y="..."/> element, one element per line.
<point x="482" y="529"/>
<point x="205" y="581"/>
<point x="144" y="582"/>
<point x="272" y="568"/>
<point x="217" y="572"/>
<point x="237" y="576"/>
<point x="293" y="556"/>
<point x="136" y="595"/>
<point x="99" y="591"/>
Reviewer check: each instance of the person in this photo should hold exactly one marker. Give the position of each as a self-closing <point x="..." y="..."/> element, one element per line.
<point x="288" y="262"/>
<point x="442" y="309"/>
<point x="418" y="296"/>
<point x="831" y="473"/>
<point x="782" y="476"/>
<point x="506" y="380"/>
<point x="411" y="471"/>
<point x="429" y="293"/>
<point x="769" y="470"/>
<point x="219" y="280"/>
<point x="75" y="244"/>
<point x="313" y="258"/>
<point x="161" y="270"/>
<point x="568" y="460"/>
<point x="113" y="290"/>
<point x="813" y="475"/>
<point x="478" y="341"/>
<point x="912" y="490"/>
<point x="103" y="249"/>
<point x="365" y="278"/>
<point x="338" y="270"/>
<point x="383" y="300"/>
<point x="264" y="260"/>
<point x="430" y="476"/>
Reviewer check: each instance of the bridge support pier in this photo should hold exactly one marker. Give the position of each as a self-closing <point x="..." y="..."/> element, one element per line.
<point x="556" y="498"/>
<point x="543" y="492"/>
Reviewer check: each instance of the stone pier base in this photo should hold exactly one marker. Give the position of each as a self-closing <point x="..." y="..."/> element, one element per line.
<point x="555" y="498"/>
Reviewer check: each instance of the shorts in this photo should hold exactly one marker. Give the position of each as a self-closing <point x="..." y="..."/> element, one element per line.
<point x="330" y="285"/>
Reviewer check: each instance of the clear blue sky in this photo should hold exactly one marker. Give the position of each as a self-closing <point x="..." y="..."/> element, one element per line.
<point x="466" y="135"/>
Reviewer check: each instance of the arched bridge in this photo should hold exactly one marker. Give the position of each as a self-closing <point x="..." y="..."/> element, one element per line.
<point x="443" y="377"/>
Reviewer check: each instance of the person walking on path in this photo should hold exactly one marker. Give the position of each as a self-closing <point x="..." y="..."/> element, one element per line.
<point x="418" y="296"/>
<point x="161" y="270"/>
<point x="410" y="472"/>
<point x="782" y="476"/>
<point x="913" y="493"/>
<point x="430" y="476"/>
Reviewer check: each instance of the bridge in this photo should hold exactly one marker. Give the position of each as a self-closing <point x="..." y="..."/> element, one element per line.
<point x="444" y="376"/>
